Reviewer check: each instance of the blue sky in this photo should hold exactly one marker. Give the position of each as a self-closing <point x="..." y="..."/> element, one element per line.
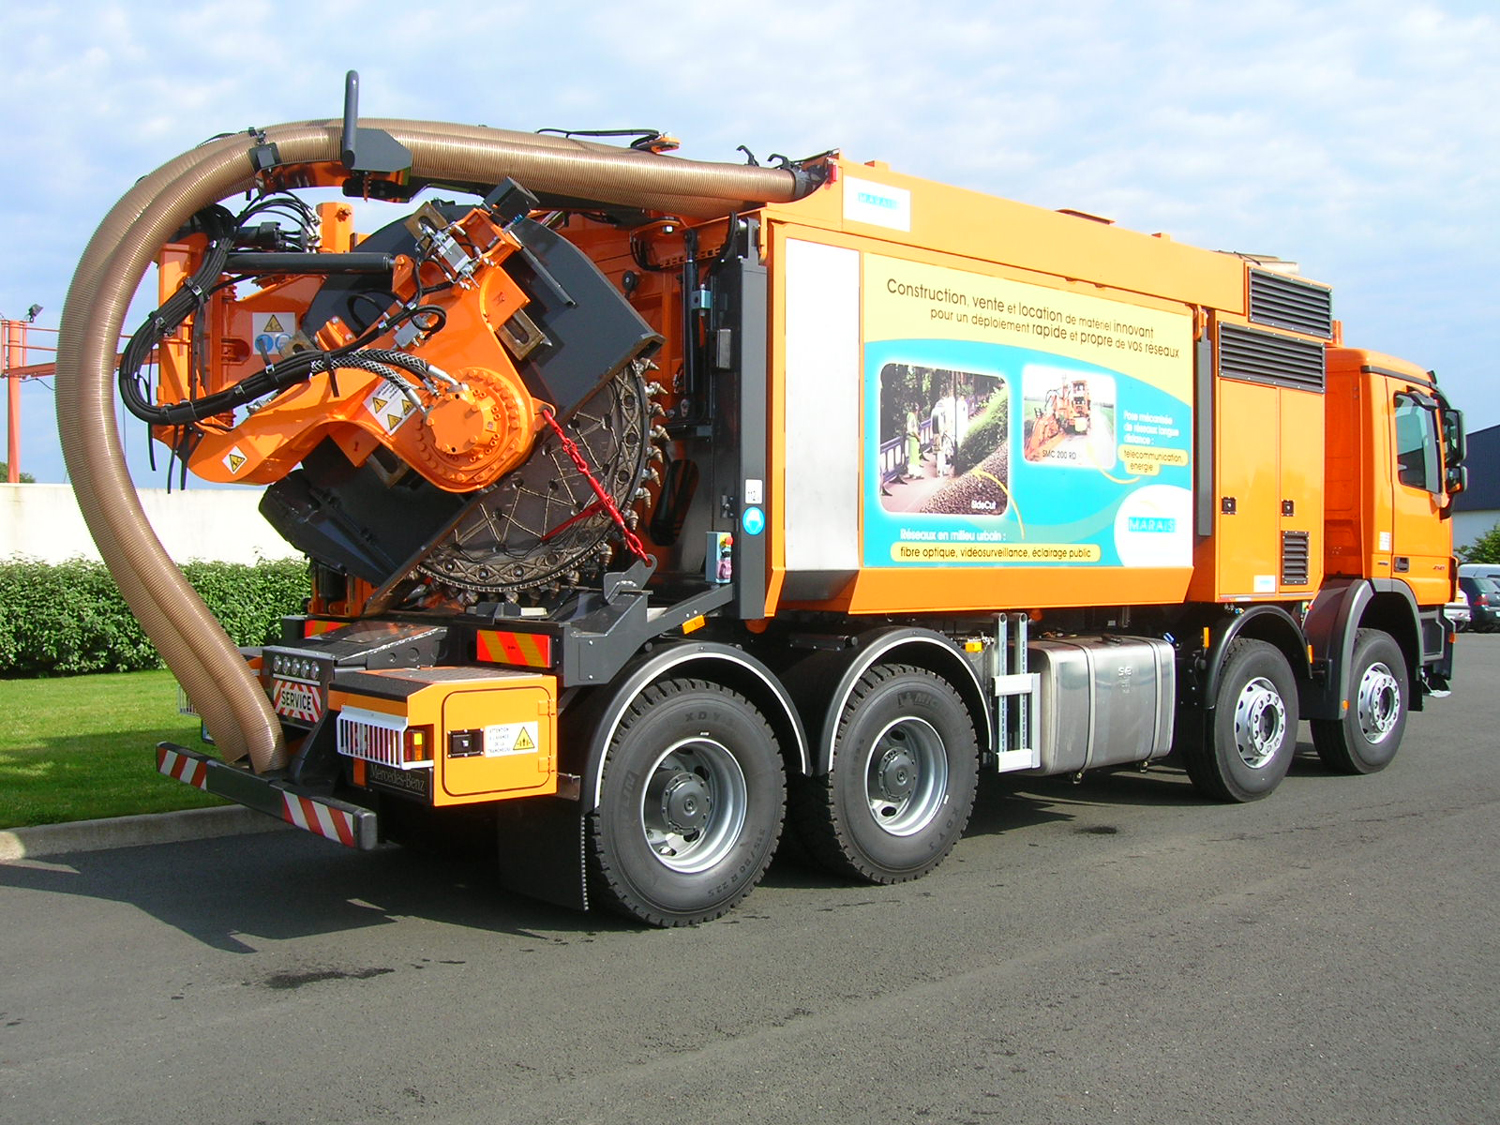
<point x="1360" y="138"/>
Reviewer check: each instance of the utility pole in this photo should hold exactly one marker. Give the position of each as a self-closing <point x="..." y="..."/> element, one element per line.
<point x="15" y="350"/>
<point x="15" y="347"/>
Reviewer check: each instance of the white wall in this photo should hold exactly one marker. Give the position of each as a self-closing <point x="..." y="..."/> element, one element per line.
<point x="1469" y="526"/>
<point x="42" y="521"/>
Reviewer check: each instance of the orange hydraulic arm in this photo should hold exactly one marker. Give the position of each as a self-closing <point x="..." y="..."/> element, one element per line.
<point x="449" y="403"/>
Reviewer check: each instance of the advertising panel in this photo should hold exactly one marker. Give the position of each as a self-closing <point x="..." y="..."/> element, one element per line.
<point x="1011" y="423"/>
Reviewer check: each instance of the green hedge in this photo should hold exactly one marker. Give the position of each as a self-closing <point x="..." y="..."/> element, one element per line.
<point x="68" y="618"/>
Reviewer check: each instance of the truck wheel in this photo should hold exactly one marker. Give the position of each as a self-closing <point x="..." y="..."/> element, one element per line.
<point x="901" y="786"/>
<point x="1254" y="731"/>
<point x="690" y="805"/>
<point x="1368" y="736"/>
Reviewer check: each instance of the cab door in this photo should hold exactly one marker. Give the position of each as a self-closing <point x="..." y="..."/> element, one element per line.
<point x="1421" y="540"/>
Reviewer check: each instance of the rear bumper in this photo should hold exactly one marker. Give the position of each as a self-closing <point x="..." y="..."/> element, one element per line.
<point x="351" y="825"/>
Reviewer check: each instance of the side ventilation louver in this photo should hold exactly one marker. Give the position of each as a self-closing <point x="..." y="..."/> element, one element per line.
<point x="1290" y="302"/>
<point x="1294" y="558"/>
<point x="1253" y="356"/>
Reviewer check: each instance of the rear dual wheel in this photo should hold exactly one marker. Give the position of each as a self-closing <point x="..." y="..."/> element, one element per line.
<point x="901" y="783"/>
<point x="690" y="806"/>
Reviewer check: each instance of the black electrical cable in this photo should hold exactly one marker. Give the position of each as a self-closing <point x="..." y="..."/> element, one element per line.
<point x="372" y="297"/>
<point x="286" y="205"/>
<point x="219" y="226"/>
<point x="639" y="250"/>
<point x="436" y="317"/>
<point x="731" y="242"/>
<point x="192" y="296"/>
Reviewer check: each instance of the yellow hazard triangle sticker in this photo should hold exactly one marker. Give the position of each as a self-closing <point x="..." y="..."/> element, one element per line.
<point x="523" y="741"/>
<point x="235" y="460"/>
<point x="273" y="325"/>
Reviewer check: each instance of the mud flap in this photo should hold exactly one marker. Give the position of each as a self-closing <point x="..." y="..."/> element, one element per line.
<point x="541" y="850"/>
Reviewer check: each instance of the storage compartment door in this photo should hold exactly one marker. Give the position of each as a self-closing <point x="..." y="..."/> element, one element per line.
<point x="498" y="742"/>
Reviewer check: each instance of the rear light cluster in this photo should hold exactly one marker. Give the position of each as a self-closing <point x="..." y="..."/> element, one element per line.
<point x="417" y="745"/>
<point x="386" y="740"/>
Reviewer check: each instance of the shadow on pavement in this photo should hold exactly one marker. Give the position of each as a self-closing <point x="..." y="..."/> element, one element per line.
<point x="228" y="893"/>
<point x="288" y="885"/>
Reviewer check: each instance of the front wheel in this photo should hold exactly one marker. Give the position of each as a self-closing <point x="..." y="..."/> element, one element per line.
<point x="901" y="785"/>
<point x="1253" y="735"/>
<point x="1368" y="736"/>
<point x="690" y="806"/>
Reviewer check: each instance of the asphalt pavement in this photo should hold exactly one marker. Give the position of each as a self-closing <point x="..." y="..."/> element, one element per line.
<point x="1115" y="950"/>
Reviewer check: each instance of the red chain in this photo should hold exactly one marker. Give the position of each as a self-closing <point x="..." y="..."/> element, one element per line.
<point x="606" y="501"/>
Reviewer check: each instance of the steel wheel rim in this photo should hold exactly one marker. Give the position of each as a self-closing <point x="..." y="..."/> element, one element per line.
<point x="693" y="805"/>
<point x="1378" y="705"/>
<point x="1259" y="722"/>
<point x="906" y="776"/>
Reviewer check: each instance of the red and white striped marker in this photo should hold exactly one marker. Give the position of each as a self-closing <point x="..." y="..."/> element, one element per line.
<point x="318" y="818"/>
<point x="189" y="771"/>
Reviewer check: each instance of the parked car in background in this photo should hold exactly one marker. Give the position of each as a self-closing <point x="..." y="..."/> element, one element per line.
<point x="1458" y="612"/>
<point x="1484" y="602"/>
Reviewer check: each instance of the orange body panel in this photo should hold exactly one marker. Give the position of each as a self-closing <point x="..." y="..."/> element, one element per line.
<point x="1377" y="525"/>
<point x="949" y="590"/>
<point x="986" y="228"/>
<point x="1268" y="472"/>
<point x="967" y="237"/>
<point x="1272" y="444"/>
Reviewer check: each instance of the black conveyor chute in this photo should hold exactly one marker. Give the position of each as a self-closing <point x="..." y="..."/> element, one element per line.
<point x="351" y="519"/>
<point x="590" y="330"/>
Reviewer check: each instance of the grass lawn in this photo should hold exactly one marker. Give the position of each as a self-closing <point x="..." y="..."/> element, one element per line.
<point x="84" y="747"/>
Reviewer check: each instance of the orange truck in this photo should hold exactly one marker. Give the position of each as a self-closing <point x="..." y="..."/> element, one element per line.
<point x="589" y="455"/>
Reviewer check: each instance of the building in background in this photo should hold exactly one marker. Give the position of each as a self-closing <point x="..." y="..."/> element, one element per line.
<point x="1477" y="508"/>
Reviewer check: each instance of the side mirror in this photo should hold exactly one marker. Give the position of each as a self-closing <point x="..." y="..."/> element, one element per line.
<point x="1458" y="479"/>
<point x="1455" y="450"/>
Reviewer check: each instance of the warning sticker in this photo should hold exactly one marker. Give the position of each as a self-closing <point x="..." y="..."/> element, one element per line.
<point x="271" y="332"/>
<point x="510" y="738"/>
<point x="389" y="406"/>
<point x="235" y="460"/>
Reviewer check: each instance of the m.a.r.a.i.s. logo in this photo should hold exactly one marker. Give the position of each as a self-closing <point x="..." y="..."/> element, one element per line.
<point x="877" y="204"/>
<point x="1151" y="525"/>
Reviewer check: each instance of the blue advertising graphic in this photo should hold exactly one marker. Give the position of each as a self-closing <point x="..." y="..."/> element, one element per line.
<point x="1029" y="451"/>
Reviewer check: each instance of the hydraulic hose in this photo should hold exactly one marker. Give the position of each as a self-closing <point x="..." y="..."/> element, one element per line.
<point x="197" y="650"/>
